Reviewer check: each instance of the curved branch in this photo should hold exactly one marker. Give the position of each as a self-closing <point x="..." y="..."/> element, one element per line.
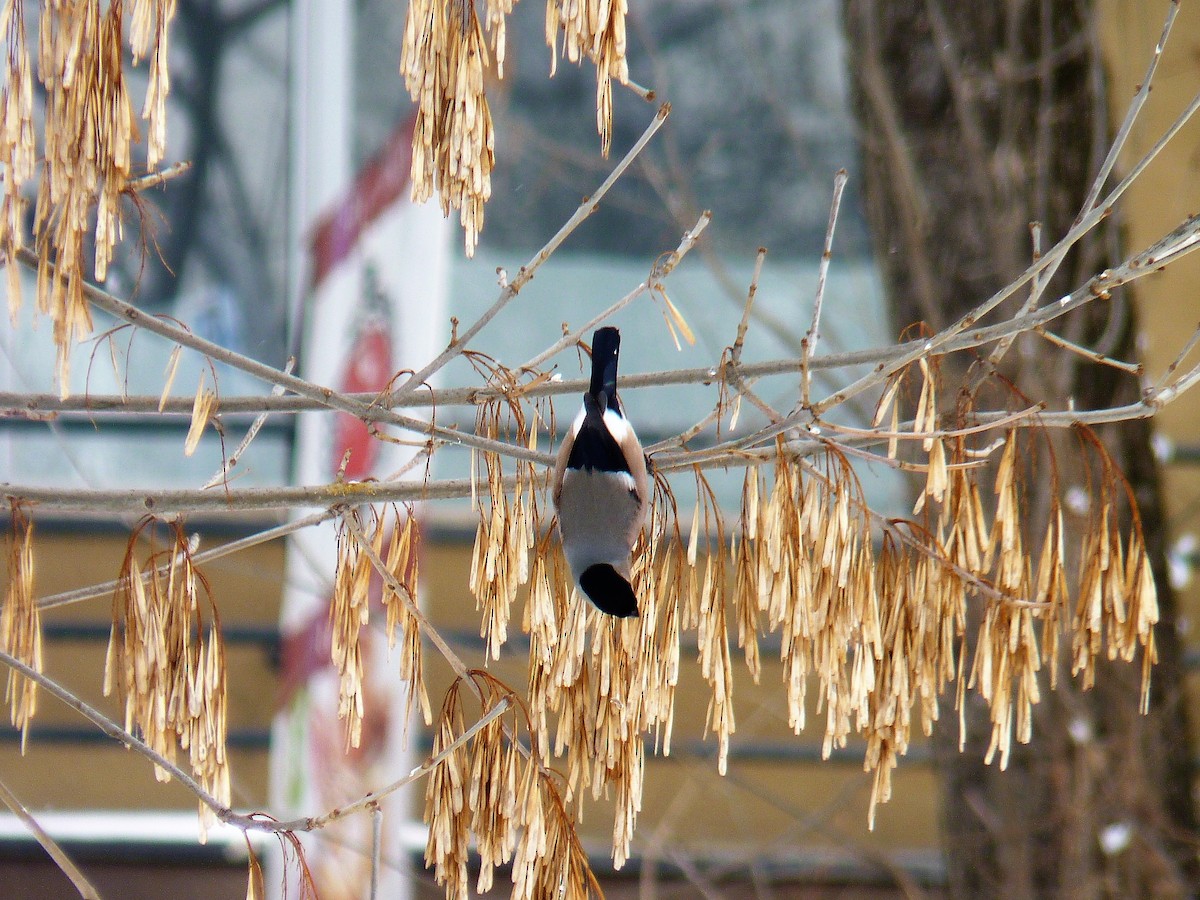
<point x="225" y="814"/>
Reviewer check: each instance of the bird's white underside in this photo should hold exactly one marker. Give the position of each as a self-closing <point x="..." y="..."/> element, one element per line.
<point x="603" y="516"/>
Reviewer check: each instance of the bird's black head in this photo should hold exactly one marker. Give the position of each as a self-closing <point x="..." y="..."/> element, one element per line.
<point x="611" y="593"/>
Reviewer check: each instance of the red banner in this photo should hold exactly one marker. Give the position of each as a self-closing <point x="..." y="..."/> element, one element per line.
<point x="379" y="184"/>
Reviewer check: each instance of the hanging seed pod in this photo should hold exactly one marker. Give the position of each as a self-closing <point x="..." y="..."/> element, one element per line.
<point x="166" y="658"/>
<point x="21" y="624"/>
<point x="443" y="60"/>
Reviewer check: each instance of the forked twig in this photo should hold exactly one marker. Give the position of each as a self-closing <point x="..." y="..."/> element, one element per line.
<point x="662" y="268"/>
<point x="526" y="272"/>
<point x="371" y="799"/>
<point x="251" y="433"/>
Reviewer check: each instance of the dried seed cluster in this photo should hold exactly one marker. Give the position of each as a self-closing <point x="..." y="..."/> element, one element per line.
<point x="927" y="572"/>
<point x="166" y="657"/>
<point x="18" y="146"/>
<point x="402" y="560"/>
<point x="1007" y="655"/>
<point x="349" y="611"/>
<point x="593" y="686"/>
<point x="505" y="536"/>
<point x="454" y="148"/>
<point x="489" y="790"/>
<point x="872" y="612"/>
<point x="504" y="539"/>
<point x="90" y="129"/>
<point x="805" y="565"/>
<point x="21" y="624"/>
<point x="355" y="584"/>
<point x="704" y="609"/>
<point x="444" y="58"/>
<point x="149" y="35"/>
<point x="609" y="683"/>
<point x="1117" y="605"/>
<point x="595" y="29"/>
<point x="884" y="633"/>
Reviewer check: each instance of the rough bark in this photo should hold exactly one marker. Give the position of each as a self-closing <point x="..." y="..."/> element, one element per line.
<point x="977" y="119"/>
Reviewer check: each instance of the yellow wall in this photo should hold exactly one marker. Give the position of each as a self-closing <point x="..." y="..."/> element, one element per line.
<point x="1168" y="303"/>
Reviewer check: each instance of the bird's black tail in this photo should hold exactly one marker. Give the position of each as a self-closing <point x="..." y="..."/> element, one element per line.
<point x="606" y="344"/>
<point x="609" y="590"/>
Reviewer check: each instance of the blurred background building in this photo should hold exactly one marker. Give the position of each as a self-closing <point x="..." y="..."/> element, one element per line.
<point x="760" y="124"/>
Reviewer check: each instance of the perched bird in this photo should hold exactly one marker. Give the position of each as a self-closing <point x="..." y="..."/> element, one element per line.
<point x="600" y="488"/>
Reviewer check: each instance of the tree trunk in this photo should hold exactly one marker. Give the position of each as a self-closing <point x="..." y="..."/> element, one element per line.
<point x="976" y="120"/>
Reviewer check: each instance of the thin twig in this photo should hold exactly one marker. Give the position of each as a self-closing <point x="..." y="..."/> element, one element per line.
<point x="372" y="798"/>
<point x="1091" y="201"/>
<point x="1099" y="286"/>
<point x="687" y="434"/>
<point x="56" y="853"/>
<point x="662" y="268"/>
<point x="370" y="411"/>
<point x="1178" y="360"/>
<point x="735" y="352"/>
<point x="426" y="628"/>
<point x="251" y="821"/>
<point x="731" y="370"/>
<point x="66" y="598"/>
<point x="1183" y="239"/>
<point x="744" y="389"/>
<point x="1045" y="266"/>
<point x="885" y="434"/>
<point x="736" y="453"/>
<point x="647" y="94"/>
<point x="1100" y="358"/>
<point x="376" y="847"/>
<point x="1036" y="288"/>
<point x="251" y="433"/>
<point x="115" y="731"/>
<point x="78" y="595"/>
<point x="809" y="344"/>
<point x="154" y="179"/>
<point x="1131" y="113"/>
<point x="1178" y="242"/>
<point x="1171" y="392"/>
<point x="180" y="501"/>
<point x="526" y="272"/>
